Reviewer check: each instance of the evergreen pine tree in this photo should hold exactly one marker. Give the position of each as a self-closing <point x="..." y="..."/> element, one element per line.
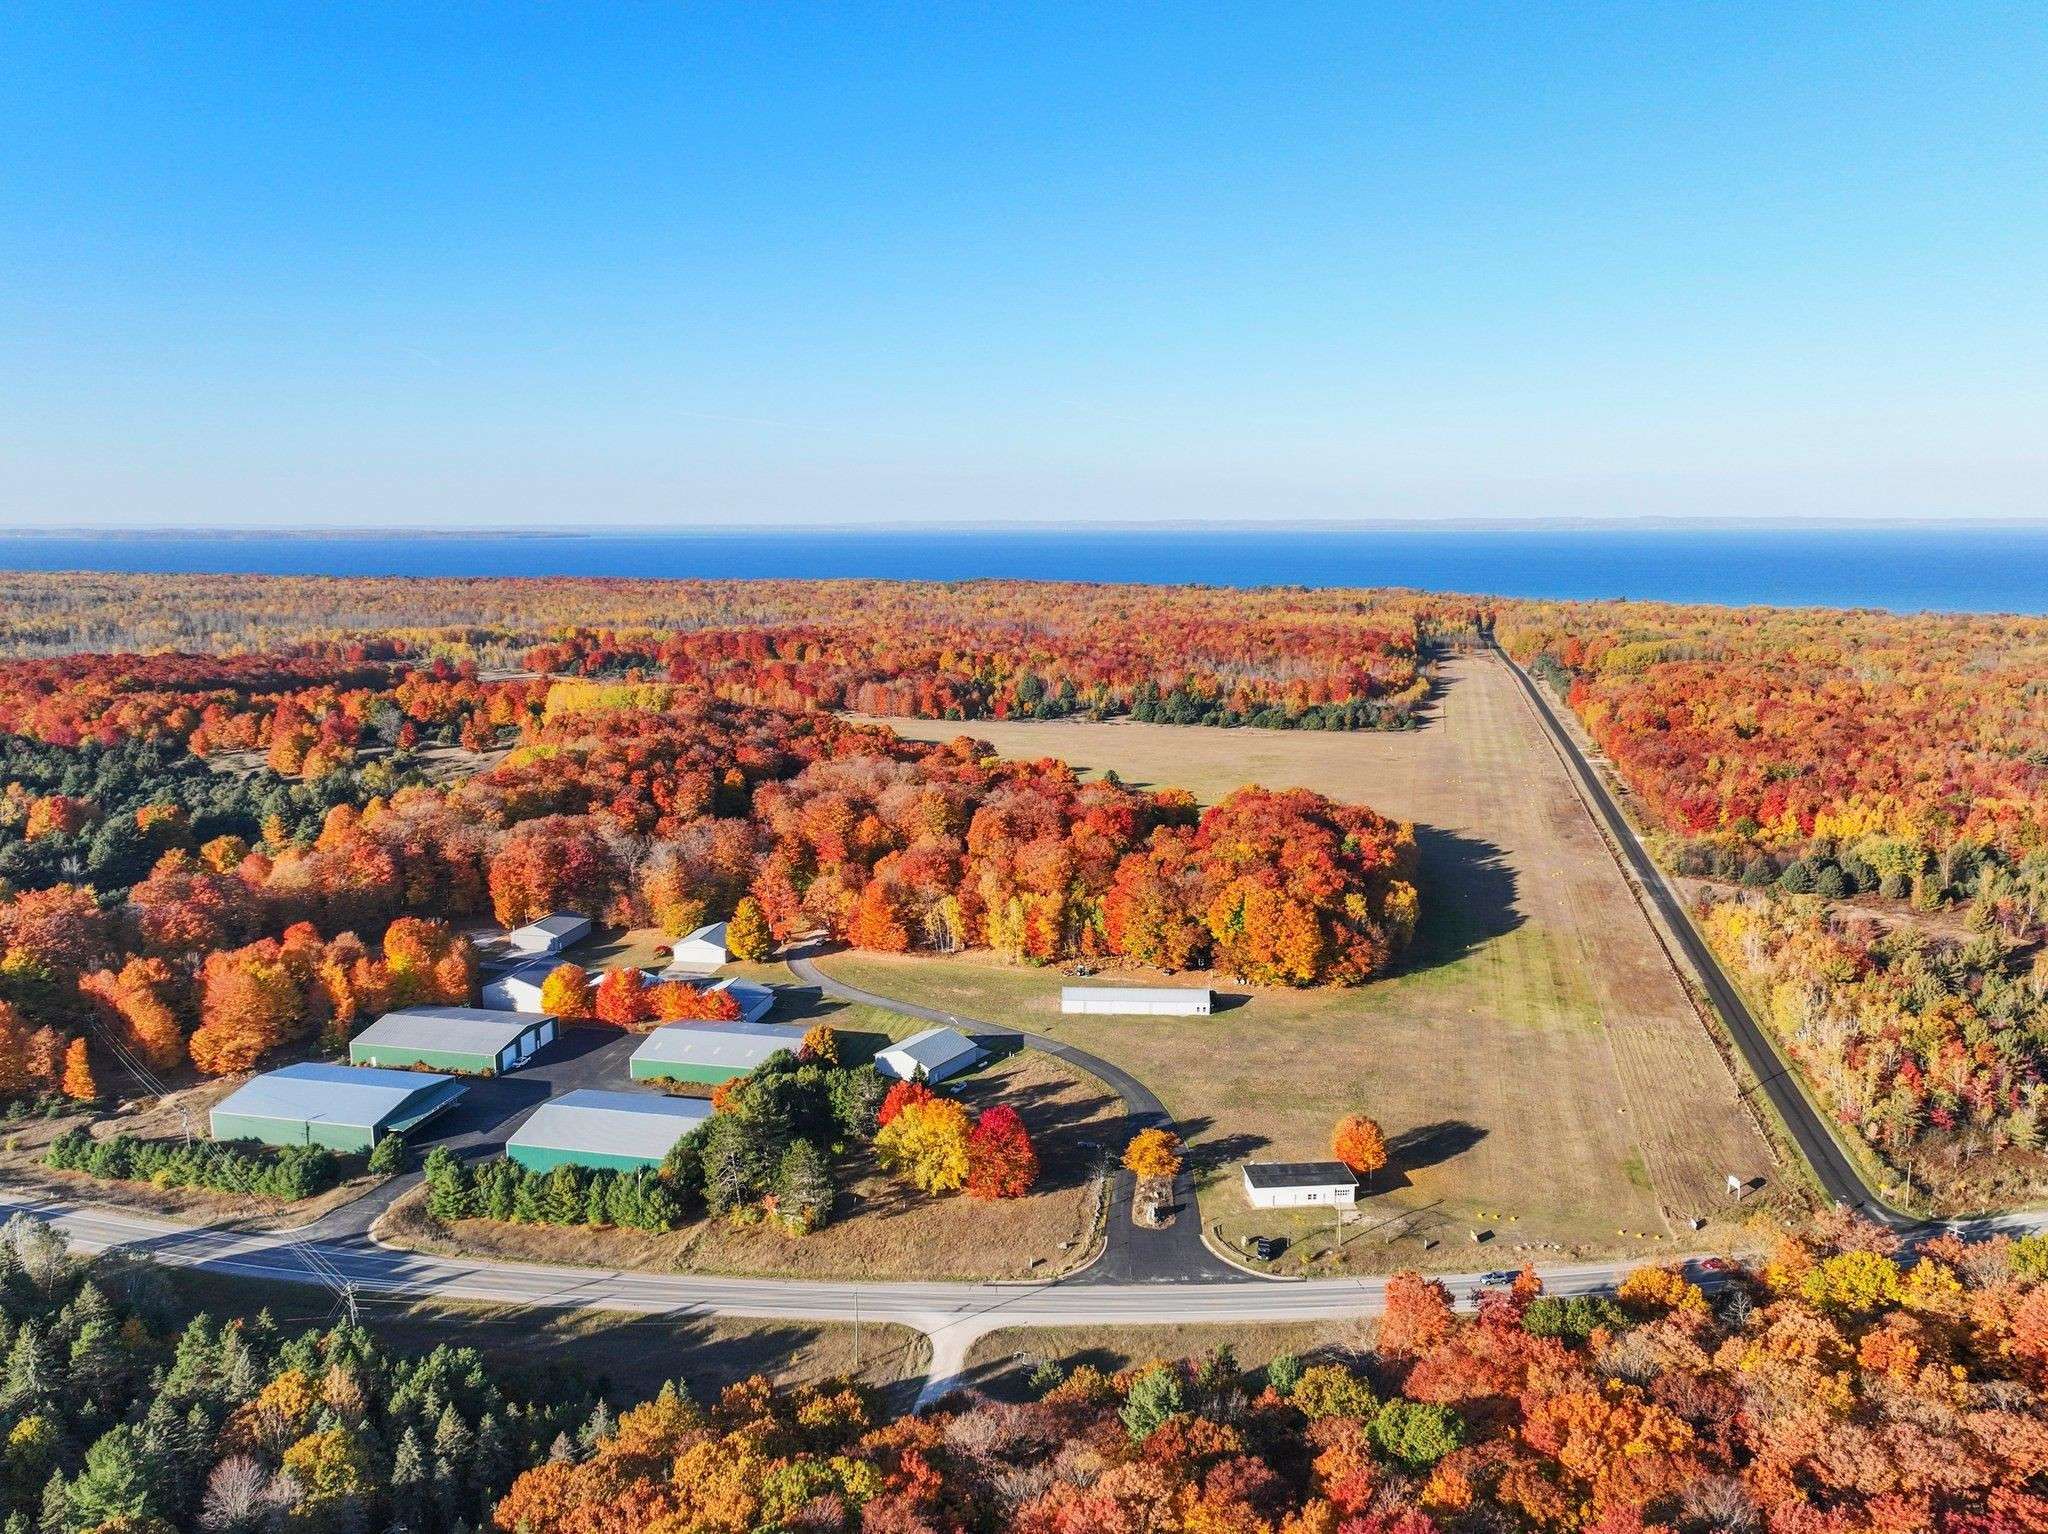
<point x="113" y="1485"/>
<point x="597" y="1427"/>
<point x="408" y="1466"/>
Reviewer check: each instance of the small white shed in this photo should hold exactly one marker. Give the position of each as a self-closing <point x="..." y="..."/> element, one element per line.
<point x="700" y="953"/>
<point x="935" y="1054"/>
<point x="1291" y="1184"/>
<point x="518" y="990"/>
<point x="551" y="934"/>
<point x="1136" y="1000"/>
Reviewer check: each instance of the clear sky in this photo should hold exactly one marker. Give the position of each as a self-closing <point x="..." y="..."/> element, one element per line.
<point x="684" y="264"/>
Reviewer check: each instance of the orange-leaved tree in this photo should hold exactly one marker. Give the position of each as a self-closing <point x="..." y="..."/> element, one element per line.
<point x="1358" y="1143"/>
<point x="622" y="1000"/>
<point x="78" y="1083"/>
<point x="566" y="993"/>
<point x="1153" y="1153"/>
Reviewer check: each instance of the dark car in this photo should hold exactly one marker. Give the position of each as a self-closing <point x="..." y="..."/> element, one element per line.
<point x="1266" y="1248"/>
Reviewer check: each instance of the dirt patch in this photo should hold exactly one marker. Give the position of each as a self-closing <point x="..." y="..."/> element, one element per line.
<point x="1534" y="1063"/>
<point x="881" y="1229"/>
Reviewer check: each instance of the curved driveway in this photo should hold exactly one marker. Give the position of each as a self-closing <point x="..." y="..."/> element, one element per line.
<point x="1132" y="1253"/>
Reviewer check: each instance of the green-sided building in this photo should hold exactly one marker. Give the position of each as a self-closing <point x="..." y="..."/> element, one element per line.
<point x="468" y="1039"/>
<point x="613" y="1131"/>
<point x="342" y="1107"/>
<point x="706" y="1054"/>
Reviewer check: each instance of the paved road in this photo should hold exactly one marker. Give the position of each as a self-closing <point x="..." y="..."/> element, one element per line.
<point x="953" y="1316"/>
<point x="1132" y="1253"/>
<point x="1840" y="1179"/>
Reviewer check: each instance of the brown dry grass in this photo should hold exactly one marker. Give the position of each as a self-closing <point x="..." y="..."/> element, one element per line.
<point x="881" y="1229"/>
<point x="1537" y="1062"/>
<point x="1001" y="1362"/>
<point x="629" y="1357"/>
<point x="160" y="1118"/>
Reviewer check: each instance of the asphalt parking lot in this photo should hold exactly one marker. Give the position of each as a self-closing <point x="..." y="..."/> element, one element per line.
<point x="494" y="1106"/>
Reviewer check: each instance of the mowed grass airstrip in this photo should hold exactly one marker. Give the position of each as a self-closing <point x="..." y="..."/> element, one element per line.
<point x="1536" y="1062"/>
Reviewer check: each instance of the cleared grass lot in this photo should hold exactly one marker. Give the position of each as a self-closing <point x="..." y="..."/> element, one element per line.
<point x="1536" y="1063"/>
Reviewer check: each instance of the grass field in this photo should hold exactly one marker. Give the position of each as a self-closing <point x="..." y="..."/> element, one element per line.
<point x="881" y="1229"/>
<point x="628" y="1357"/>
<point x="1537" y="1064"/>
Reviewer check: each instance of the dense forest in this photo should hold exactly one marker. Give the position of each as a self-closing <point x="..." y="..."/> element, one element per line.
<point x="966" y="650"/>
<point x="1831" y="1389"/>
<point x="1876" y="788"/>
<point x="214" y="858"/>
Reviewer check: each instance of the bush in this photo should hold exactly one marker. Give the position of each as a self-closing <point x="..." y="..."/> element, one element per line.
<point x="291" y="1172"/>
<point x="1831" y="883"/>
<point x="1416" y="1435"/>
<point x="1797" y="879"/>
<point x="1283" y="1374"/>
<point x="1572" y="1319"/>
<point x="1331" y="1390"/>
<point x="387" y="1159"/>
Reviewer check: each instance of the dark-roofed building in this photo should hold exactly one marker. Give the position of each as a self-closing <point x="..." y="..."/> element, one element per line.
<point x="343" y="1107"/>
<point x="1290" y="1184"/>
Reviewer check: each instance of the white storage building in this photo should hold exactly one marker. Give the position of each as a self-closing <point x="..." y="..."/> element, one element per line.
<point x="1136" y="1000"/>
<point x="551" y="934"/>
<point x="518" y="990"/>
<point x="934" y="1054"/>
<point x="1292" y="1184"/>
<point x="702" y="952"/>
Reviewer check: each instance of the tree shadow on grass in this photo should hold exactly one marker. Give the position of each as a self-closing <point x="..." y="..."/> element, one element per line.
<point x="1424" y="1145"/>
<point x="1468" y="891"/>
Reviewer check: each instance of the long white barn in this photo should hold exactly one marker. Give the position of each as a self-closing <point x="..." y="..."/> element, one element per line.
<point x="1136" y="1000"/>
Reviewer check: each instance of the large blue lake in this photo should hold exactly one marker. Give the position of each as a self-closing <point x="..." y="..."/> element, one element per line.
<point x="1973" y="569"/>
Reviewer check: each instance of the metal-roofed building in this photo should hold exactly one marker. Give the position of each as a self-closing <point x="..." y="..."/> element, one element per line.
<point x="551" y="934"/>
<point x="342" y="1107"/>
<point x="933" y="1055"/>
<point x="614" y="1131"/>
<point x="1289" y="1184"/>
<point x="1136" y="1000"/>
<point x="452" y="1039"/>
<point x="708" y="1053"/>
<point x="754" y="1001"/>
<point x="518" y="990"/>
<point x="698" y="954"/>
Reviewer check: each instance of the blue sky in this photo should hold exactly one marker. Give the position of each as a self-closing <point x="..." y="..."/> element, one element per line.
<point x="677" y="265"/>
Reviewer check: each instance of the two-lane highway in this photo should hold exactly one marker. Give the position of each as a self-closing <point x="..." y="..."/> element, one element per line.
<point x="1840" y="1178"/>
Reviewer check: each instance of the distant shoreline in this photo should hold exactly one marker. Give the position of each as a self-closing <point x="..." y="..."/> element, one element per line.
<point x="1948" y="569"/>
